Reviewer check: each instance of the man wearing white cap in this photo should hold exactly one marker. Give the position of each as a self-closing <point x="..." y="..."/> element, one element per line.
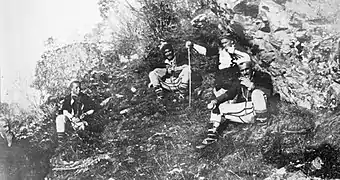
<point x="228" y="72"/>
<point x="250" y="100"/>
<point x="164" y="76"/>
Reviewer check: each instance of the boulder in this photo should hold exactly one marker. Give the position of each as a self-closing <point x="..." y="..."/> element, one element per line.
<point x="275" y="14"/>
<point x="230" y="4"/>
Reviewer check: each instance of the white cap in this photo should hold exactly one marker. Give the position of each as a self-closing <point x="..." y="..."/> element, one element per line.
<point x="244" y="59"/>
<point x="72" y="81"/>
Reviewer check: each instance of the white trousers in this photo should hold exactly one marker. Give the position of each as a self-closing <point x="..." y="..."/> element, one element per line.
<point x="244" y="112"/>
<point x="172" y="85"/>
<point x="61" y="122"/>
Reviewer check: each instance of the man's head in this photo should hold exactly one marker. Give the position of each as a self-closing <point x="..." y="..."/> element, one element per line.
<point x="4" y="126"/>
<point x="168" y="51"/>
<point x="227" y="41"/>
<point x="246" y="68"/>
<point x="75" y="87"/>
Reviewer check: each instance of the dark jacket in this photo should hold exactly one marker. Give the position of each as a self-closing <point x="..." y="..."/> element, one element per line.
<point x="240" y="93"/>
<point x="81" y="104"/>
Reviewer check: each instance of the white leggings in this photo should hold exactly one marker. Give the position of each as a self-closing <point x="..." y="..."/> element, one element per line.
<point x="60" y="122"/>
<point x="180" y="83"/>
<point x="244" y="112"/>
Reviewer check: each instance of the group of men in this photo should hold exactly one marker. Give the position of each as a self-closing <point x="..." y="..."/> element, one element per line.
<point x="240" y="90"/>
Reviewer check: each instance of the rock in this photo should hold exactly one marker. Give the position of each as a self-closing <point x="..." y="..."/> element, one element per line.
<point x="317" y="163"/>
<point x="105" y="102"/>
<point x="133" y="89"/>
<point x="119" y="95"/>
<point x="333" y="95"/>
<point x="230" y="4"/>
<point x="124" y="111"/>
<point x="275" y="14"/>
<point x="203" y="18"/>
<point x="247" y="8"/>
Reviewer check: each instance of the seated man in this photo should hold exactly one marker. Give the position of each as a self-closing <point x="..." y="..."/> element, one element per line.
<point x="75" y="108"/>
<point x="228" y="51"/>
<point x="228" y="72"/>
<point x="5" y="132"/>
<point x="249" y="97"/>
<point x="163" y="77"/>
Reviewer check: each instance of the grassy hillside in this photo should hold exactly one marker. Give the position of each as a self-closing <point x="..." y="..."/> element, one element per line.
<point x="134" y="137"/>
<point x="149" y="141"/>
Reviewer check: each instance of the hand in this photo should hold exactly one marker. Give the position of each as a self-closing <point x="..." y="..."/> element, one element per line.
<point x="169" y="69"/>
<point x="212" y="104"/>
<point x="82" y="116"/>
<point x="231" y="49"/>
<point x="189" y="45"/>
<point x="247" y="83"/>
<point x="80" y="125"/>
<point x="75" y="119"/>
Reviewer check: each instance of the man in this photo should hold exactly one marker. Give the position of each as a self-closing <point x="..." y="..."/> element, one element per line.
<point x="227" y="73"/>
<point x="5" y="132"/>
<point x="76" y="109"/>
<point x="227" y="53"/>
<point x="163" y="77"/>
<point x="249" y="100"/>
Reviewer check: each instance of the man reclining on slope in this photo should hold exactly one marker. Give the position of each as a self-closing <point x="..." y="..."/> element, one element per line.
<point x="249" y="100"/>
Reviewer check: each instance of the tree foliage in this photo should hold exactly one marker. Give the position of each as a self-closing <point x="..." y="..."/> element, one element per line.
<point x="60" y="65"/>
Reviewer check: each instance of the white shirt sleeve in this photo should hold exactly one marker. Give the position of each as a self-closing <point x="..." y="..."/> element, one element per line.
<point x="200" y="49"/>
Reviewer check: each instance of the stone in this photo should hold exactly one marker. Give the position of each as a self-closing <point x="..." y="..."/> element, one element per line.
<point x="230" y="4"/>
<point x="275" y="13"/>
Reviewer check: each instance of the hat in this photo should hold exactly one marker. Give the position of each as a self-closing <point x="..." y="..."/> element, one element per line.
<point x="245" y="59"/>
<point x="165" y="46"/>
<point x="227" y="35"/>
<point x="73" y="81"/>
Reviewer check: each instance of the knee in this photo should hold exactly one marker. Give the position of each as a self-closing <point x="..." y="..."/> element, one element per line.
<point x="152" y="73"/>
<point x="60" y="123"/>
<point x="215" y="118"/>
<point x="186" y="69"/>
<point x="257" y="93"/>
<point x="61" y="119"/>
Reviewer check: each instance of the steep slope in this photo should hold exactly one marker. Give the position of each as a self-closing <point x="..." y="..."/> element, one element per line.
<point x="140" y="139"/>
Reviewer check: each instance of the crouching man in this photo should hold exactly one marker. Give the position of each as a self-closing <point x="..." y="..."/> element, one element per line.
<point x="164" y="76"/>
<point x="75" y="111"/>
<point x="249" y="100"/>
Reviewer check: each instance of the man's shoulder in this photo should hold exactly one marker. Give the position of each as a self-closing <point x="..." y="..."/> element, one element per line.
<point x="84" y="96"/>
<point x="67" y="97"/>
<point x="259" y="73"/>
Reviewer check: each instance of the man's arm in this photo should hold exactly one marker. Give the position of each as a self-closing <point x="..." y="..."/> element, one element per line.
<point x="160" y="65"/>
<point x="202" y="50"/>
<point x="89" y="106"/>
<point x="67" y="114"/>
<point x="180" y="68"/>
<point x="66" y="107"/>
<point x="263" y="80"/>
<point x="230" y="94"/>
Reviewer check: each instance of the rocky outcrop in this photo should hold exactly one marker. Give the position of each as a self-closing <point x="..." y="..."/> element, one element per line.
<point x="296" y="45"/>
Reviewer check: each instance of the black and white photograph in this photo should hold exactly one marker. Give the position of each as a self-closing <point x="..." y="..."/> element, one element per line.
<point x="169" y="90"/>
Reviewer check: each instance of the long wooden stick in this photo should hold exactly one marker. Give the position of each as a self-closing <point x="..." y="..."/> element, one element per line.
<point x="189" y="61"/>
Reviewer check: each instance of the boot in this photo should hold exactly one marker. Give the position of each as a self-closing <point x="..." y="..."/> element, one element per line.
<point x="183" y="92"/>
<point x="58" y="160"/>
<point x="159" y="92"/>
<point x="211" y="137"/>
<point x="261" y="119"/>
